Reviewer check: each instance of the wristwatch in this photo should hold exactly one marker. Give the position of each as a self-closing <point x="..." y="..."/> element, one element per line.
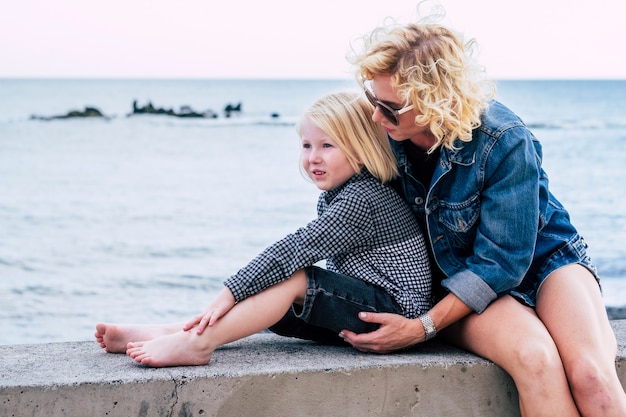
<point x="429" y="326"/>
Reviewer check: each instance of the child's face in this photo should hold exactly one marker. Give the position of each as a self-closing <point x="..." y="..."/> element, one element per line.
<point x="322" y="159"/>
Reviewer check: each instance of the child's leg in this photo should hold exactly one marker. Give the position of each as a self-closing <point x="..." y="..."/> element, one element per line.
<point x="334" y="301"/>
<point x="332" y="304"/>
<point x="114" y="338"/>
<point x="244" y="319"/>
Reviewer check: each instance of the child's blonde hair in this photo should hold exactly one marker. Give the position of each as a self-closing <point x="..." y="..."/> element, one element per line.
<point x="346" y="117"/>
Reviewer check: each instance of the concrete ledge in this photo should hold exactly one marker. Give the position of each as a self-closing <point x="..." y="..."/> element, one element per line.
<point x="264" y="375"/>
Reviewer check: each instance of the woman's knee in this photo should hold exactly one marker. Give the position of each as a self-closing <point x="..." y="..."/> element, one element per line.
<point x="587" y="376"/>
<point x="535" y="357"/>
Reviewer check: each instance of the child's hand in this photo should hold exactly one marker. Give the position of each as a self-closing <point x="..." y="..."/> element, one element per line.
<point x="218" y="308"/>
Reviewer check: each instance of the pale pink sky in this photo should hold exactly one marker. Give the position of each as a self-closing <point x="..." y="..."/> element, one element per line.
<point x="293" y="39"/>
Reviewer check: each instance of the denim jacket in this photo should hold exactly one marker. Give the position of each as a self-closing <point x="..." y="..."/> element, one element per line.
<point x="488" y="213"/>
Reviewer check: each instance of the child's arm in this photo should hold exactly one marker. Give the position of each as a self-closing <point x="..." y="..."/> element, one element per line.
<point x="218" y="308"/>
<point x="340" y="228"/>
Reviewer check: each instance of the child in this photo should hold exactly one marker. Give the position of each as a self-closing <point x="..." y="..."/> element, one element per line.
<point x="375" y="254"/>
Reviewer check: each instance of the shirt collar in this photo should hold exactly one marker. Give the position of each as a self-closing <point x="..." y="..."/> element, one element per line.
<point x="330" y="195"/>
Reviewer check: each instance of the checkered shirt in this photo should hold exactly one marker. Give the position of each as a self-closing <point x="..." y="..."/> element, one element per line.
<point x="363" y="230"/>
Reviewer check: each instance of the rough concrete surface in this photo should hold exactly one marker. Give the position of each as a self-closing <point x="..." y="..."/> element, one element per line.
<point x="263" y="375"/>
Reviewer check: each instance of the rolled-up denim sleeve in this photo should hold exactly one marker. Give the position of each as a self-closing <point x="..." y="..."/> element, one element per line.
<point x="471" y="289"/>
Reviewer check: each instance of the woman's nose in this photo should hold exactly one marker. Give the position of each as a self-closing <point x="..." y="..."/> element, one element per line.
<point x="377" y="116"/>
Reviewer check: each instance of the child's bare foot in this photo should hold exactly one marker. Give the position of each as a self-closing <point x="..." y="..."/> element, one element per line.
<point x="184" y="348"/>
<point x="114" y="338"/>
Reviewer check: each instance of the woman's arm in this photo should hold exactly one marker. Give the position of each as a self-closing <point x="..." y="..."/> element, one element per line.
<point x="495" y="259"/>
<point x="501" y="252"/>
<point x="398" y="332"/>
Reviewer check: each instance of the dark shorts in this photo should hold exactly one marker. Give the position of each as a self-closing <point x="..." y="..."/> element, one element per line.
<point x="332" y="303"/>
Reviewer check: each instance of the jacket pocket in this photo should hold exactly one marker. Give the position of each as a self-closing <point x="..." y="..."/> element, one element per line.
<point x="459" y="222"/>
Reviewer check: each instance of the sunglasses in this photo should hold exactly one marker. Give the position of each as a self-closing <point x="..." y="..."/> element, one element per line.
<point x="389" y="113"/>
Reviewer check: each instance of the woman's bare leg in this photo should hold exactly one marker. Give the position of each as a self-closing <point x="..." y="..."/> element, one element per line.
<point x="512" y="336"/>
<point x="571" y="307"/>
<point x="114" y="338"/>
<point x="244" y="319"/>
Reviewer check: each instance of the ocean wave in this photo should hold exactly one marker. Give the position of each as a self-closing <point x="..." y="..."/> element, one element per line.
<point x="576" y="124"/>
<point x="158" y="120"/>
<point x="221" y="122"/>
<point x="38" y="290"/>
<point x="20" y="265"/>
<point x="612" y="268"/>
<point x="148" y="252"/>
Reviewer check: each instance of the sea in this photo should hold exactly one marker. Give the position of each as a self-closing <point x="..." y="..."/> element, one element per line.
<point x="139" y="218"/>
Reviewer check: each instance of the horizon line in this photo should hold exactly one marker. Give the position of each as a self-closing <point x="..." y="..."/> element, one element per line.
<point x="277" y="78"/>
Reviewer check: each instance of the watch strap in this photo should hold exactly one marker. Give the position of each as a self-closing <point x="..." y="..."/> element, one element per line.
<point x="429" y="326"/>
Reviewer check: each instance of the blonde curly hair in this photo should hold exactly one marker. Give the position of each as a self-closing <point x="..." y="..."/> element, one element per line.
<point x="431" y="68"/>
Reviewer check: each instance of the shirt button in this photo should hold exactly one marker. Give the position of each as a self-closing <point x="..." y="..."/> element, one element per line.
<point x="419" y="200"/>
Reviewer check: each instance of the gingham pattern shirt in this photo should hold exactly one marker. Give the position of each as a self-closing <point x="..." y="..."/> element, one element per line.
<point x="363" y="230"/>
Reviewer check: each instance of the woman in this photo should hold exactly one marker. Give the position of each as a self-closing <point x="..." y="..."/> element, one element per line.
<point x="517" y="286"/>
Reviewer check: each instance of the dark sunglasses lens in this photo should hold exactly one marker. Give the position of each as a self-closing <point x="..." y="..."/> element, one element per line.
<point x="388" y="113"/>
<point x="384" y="109"/>
<point x="371" y="98"/>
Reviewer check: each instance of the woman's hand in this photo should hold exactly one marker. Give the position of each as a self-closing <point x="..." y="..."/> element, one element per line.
<point x="218" y="308"/>
<point x="395" y="332"/>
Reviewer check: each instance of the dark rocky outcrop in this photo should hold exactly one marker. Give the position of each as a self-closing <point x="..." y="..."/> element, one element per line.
<point x="230" y="109"/>
<point x="185" y="111"/>
<point x="88" y="112"/>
